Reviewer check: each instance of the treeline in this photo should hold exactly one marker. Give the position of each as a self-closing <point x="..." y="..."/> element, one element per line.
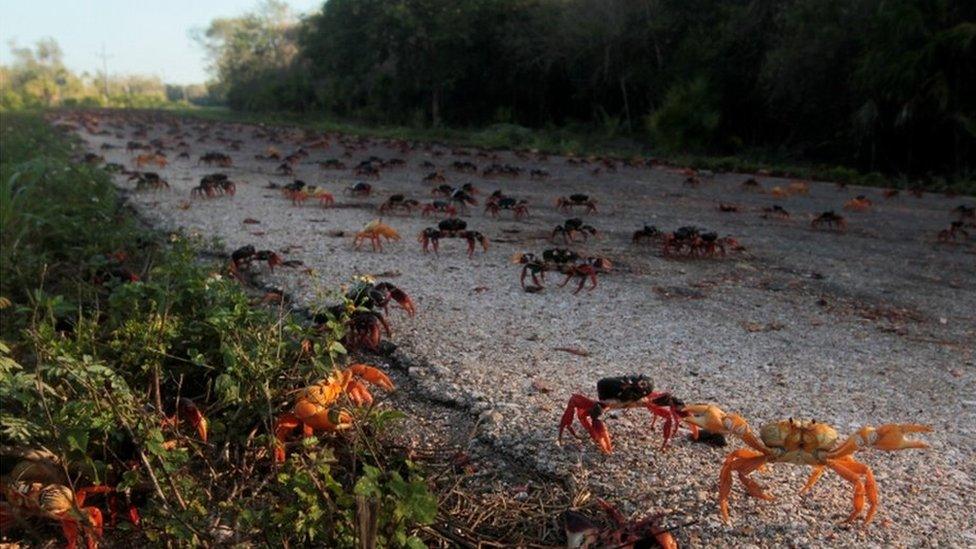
<point x="37" y="78"/>
<point x="883" y="85"/>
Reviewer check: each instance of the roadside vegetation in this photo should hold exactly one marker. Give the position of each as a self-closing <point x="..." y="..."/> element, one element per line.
<point x="578" y="141"/>
<point x="884" y="90"/>
<point x="106" y="325"/>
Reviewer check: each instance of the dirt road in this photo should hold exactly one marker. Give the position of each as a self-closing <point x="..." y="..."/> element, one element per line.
<point x="876" y="324"/>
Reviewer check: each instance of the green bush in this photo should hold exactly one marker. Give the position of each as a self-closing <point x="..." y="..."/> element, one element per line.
<point x="687" y="119"/>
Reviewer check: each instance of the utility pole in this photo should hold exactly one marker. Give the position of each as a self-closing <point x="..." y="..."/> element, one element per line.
<point x="104" y="57"/>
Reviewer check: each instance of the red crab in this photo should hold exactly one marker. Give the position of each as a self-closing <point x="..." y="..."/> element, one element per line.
<point x="829" y="219"/>
<point x="631" y="391"/>
<point x="498" y="202"/>
<point x="439" y="206"/>
<point x="451" y="228"/>
<point x="566" y="203"/>
<point x="398" y="202"/>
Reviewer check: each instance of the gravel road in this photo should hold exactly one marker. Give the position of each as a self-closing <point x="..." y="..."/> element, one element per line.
<point x="876" y="324"/>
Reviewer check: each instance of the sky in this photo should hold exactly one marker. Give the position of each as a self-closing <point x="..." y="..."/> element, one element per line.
<point x="149" y="37"/>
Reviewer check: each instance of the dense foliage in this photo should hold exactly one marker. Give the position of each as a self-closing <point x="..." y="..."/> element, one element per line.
<point x="883" y="85"/>
<point x="91" y="362"/>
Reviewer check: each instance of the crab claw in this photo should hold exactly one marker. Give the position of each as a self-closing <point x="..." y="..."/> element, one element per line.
<point x="403" y="300"/>
<point x="890" y="436"/>
<point x="714" y="420"/>
<point x="707" y="417"/>
<point x="92" y="523"/>
<point x="189" y="411"/>
<point x="372" y="374"/>
<point x="588" y="413"/>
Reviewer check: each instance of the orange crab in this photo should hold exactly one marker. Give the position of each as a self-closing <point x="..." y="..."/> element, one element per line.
<point x="315" y="408"/>
<point x="155" y="159"/>
<point x="55" y="502"/>
<point x="801" y="442"/>
<point x="373" y="231"/>
<point x="860" y="203"/>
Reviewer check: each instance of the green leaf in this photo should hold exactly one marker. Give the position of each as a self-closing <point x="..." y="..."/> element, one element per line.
<point x="77" y="439"/>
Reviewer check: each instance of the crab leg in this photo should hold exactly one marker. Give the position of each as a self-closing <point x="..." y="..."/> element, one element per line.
<point x="744" y="461"/>
<point x="814" y="477"/>
<point x="284" y="426"/>
<point x="870" y="486"/>
<point x="855" y="479"/>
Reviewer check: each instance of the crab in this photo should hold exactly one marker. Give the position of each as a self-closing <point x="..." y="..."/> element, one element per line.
<point x="751" y="184"/>
<point x="398" y="202"/>
<point x="435" y="176"/>
<point x="55" y="502"/>
<point x="367" y="169"/>
<point x="332" y="164"/>
<point x="693" y="242"/>
<point x="563" y="261"/>
<point x="571" y="228"/>
<point x="370" y="295"/>
<point x="299" y="192"/>
<point x="93" y="159"/>
<point x="218" y="158"/>
<point x="955" y="230"/>
<point x="243" y="256"/>
<point x="648" y="232"/>
<point x="148" y="180"/>
<point x="799" y="187"/>
<point x="581" y="532"/>
<point x="776" y="211"/>
<point x="965" y="212"/>
<point x="630" y="391"/>
<point x="464" y="166"/>
<point x="320" y="407"/>
<point x="462" y="199"/>
<point x="498" y="202"/>
<point x="156" y="159"/>
<point x="36" y="487"/>
<point x="586" y="268"/>
<point x="506" y="170"/>
<point x="829" y="219"/>
<point x="359" y="189"/>
<point x="212" y="185"/>
<point x="859" y="203"/>
<point x="567" y="203"/>
<point x="439" y="206"/>
<point x="186" y="410"/>
<point x="373" y="231"/>
<point x="451" y="227"/>
<point x="801" y="442"/>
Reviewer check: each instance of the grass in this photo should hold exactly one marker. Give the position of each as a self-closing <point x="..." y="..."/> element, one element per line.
<point x="106" y="325"/>
<point x="583" y="142"/>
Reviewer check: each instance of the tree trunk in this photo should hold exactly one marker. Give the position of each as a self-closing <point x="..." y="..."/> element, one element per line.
<point x="623" y="91"/>
<point x="435" y="106"/>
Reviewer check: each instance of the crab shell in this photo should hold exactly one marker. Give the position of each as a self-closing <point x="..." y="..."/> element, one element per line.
<point x="313" y="407"/>
<point x="801" y="440"/>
